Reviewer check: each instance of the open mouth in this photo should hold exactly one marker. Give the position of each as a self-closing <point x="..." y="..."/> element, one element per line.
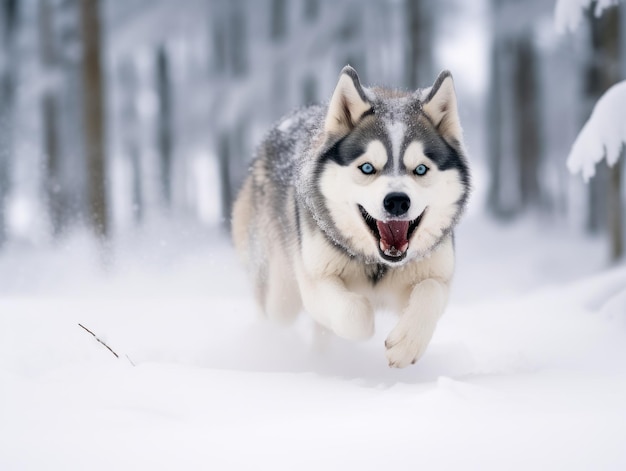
<point x="393" y="236"/>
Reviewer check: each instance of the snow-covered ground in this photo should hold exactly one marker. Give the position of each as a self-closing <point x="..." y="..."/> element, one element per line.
<point x="527" y="369"/>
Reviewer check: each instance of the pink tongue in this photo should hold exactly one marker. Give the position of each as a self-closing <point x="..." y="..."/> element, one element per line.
<point x="393" y="241"/>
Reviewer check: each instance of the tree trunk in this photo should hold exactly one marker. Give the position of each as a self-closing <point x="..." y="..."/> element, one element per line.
<point x="93" y="115"/>
<point x="238" y="41"/>
<point x="278" y="24"/>
<point x="164" y="131"/>
<point x="616" y="210"/>
<point x="494" y="136"/>
<point x="514" y="116"/>
<point x="606" y="208"/>
<point x="527" y="106"/>
<point x="224" y="156"/>
<point x="131" y="133"/>
<point x="503" y="193"/>
<point x="50" y="120"/>
<point x="8" y="59"/>
<point x="419" y="60"/>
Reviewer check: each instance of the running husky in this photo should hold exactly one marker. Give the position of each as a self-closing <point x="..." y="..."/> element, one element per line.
<point x="349" y="207"/>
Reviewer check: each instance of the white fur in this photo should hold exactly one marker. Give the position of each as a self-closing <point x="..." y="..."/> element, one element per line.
<point x="303" y="267"/>
<point x="338" y="295"/>
<point x="324" y="294"/>
<point x="335" y="290"/>
<point x="346" y="187"/>
<point x="396" y="130"/>
<point x="345" y="98"/>
<point x="442" y="109"/>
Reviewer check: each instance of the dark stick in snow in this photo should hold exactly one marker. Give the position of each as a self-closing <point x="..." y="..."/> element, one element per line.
<point x="96" y="337"/>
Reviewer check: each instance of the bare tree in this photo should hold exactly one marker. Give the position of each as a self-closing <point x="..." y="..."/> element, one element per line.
<point x="164" y="125"/>
<point x="238" y="39"/>
<point x="93" y="110"/>
<point x="278" y="26"/>
<point x="528" y="106"/>
<point x="514" y="113"/>
<point x="51" y="118"/>
<point x="8" y="62"/>
<point x="231" y="48"/>
<point x="224" y="156"/>
<point x="130" y="133"/>
<point x="494" y="120"/>
<point x="419" y="60"/>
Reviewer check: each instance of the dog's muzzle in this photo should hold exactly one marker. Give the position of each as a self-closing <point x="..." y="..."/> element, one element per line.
<point x="393" y="236"/>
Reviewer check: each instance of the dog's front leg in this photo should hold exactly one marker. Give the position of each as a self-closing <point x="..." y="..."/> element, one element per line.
<point x="408" y="340"/>
<point x="328" y="301"/>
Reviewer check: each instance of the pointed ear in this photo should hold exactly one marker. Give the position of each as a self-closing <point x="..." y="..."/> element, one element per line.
<point x="347" y="105"/>
<point x="440" y="106"/>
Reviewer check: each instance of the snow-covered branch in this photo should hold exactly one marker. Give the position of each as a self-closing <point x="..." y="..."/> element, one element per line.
<point x="604" y="133"/>
<point x="568" y="14"/>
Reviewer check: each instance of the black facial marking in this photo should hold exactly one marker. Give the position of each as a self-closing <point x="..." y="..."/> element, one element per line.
<point x="344" y="152"/>
<point x="354" y="145"/>
<point x="372" y="125"/>
<point x="376" y="273"/>
<point x="445" y="155"/>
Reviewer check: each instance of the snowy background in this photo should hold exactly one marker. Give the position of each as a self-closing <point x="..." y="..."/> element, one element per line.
<point x="527" y="368"/>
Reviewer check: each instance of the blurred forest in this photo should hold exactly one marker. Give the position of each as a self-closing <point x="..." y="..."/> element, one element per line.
<point x="115" y="113"/>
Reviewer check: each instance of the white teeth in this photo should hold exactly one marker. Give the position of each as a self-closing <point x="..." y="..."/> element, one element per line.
<point x="392" y="251"/>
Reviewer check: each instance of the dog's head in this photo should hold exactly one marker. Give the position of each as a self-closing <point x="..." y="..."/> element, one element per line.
<point x="392" y="175"/>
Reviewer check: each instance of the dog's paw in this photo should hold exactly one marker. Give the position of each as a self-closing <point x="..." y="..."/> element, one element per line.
<point x="404" y="346"/>
<point x="355" y="321"/>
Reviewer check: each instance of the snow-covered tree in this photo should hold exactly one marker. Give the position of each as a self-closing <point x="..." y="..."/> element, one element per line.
<point x="603" y="136"/>
<point x="568" y="14"/>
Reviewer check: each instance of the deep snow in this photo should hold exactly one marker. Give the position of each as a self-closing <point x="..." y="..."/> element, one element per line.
<point x="527" y="369"/>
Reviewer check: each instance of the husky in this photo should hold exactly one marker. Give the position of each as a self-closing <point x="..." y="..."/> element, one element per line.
<point x="350" y="207"/>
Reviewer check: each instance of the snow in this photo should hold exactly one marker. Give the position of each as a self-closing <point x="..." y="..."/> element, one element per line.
<point x="568" y="14"/>
<point x="603" y="135"/>
<point x="526" y="369"/>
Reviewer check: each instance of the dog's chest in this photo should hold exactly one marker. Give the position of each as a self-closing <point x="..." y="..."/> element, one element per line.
<point x="379" y="283"/>
<point x="375" y="273"/>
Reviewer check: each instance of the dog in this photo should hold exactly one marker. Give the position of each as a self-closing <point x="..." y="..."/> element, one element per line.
<point x="351" y="207"/>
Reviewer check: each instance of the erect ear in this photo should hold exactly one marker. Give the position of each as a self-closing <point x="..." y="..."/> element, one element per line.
<point x="347" y="105"/>
<point x="440" y="106"/>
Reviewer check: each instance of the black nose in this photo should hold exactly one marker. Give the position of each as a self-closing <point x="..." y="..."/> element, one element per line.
<point x="397" y="204"/>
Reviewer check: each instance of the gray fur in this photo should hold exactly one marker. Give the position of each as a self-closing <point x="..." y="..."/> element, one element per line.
<point x="282" y="204"/>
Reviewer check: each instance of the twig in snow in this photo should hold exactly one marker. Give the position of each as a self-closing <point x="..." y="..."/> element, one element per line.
<point x="96" y="337"/>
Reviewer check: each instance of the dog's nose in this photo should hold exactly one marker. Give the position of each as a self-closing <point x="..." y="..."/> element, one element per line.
<point x="397" y="204"/>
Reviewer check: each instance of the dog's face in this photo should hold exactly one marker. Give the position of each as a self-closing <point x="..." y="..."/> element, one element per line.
<point x="393" y="177"/>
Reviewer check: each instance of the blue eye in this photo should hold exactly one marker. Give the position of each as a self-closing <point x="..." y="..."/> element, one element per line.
<point x="367" y="168"/>
<point x="421" y="170"/>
